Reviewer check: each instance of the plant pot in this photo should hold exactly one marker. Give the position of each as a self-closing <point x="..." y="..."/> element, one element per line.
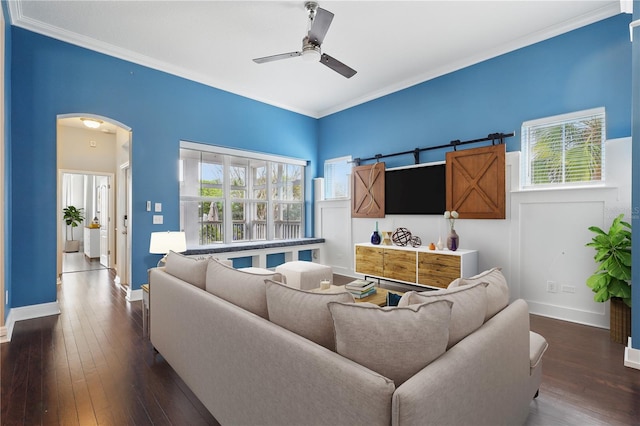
<point x="71" y="246"/>
<point x="620" y="328"/>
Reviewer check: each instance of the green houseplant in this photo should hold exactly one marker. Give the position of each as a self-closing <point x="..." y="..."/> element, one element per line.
<point x="73" y="217"/>
<point x="612" y="278"/>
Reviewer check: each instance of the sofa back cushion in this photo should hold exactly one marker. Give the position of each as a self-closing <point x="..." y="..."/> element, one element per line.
<point x="468" y="311"/>
<point x="191" y="270"/>
<point x="244" y="289"/>
<point x="303" y="312"/>
<point x="497" y="289"/>
<point x="396" y="342"/>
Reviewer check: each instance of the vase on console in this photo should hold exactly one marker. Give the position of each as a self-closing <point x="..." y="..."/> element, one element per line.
<point x="453" y="240"/>
<point x="375" y="237"/>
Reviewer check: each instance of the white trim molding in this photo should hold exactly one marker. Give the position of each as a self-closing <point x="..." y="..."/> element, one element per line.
<point x="133" y="295"/>
<point x="631" y="356"/>
<point x="28" y="312"/>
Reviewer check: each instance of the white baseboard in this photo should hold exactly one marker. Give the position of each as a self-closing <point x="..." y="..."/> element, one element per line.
<point x="28" y="312"/>
<point x="631" y="356"/>
<point x="578" y="316"/>
<point x="134" y="295"/>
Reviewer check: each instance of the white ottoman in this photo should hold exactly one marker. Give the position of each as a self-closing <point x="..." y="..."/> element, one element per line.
<point x="305" y="275"/>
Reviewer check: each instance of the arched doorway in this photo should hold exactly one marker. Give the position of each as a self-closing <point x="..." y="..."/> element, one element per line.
<point x="97" y="150"/>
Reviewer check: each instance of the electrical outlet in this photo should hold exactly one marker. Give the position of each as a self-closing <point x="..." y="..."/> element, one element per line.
<point x="568" y="288"/>
<point x="552" y="287"/>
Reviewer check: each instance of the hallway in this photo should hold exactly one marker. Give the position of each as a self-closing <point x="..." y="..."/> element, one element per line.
<point x="78" y="262"/>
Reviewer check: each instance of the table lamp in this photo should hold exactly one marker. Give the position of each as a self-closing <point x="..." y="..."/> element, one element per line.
<point x="166" y="241"/>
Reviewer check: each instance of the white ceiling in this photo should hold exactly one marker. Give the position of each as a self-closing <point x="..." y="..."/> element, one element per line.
<point x="392" y="44"/>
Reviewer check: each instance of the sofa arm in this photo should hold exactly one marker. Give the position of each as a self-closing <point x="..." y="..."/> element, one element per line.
<point x="484" y="379"/>
<point x="537" y="347"/>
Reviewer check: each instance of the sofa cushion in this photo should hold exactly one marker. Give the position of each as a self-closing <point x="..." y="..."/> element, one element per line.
<point x="497" y="289"/>
<point x="396" y="342"/>
<point x="303" y="312"/>
<point x="193" y="271"/>
<point x="467" y="314"/>
<point x="244" y="289"/>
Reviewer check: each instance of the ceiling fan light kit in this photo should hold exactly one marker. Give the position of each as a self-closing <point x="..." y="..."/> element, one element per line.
<point x="319" y="22"/>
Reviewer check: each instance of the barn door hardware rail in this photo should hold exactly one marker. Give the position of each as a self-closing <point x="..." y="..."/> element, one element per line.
<point x="495" y="138"/>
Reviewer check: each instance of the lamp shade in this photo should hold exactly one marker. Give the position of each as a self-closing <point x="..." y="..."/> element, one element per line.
<point x="164" y="242"/>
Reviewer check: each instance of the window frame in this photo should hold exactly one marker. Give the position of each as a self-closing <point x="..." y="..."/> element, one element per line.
<point x="330" y="194"/>
<point x="526" y="183"/>
<point x="249" y="160"/>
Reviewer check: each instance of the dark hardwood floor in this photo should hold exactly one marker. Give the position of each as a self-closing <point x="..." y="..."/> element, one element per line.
<point x="90" y="365"/>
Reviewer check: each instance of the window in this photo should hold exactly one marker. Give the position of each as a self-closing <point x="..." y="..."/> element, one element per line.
<point x="564" y="150"/>
<point x="336" y="178"/>
<point x="229" y="195"/>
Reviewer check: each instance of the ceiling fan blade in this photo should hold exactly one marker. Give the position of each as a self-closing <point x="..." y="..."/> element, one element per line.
<point x="276" y="57"/>
<point x="337" y="66"/>
<point x="320" y="26"/>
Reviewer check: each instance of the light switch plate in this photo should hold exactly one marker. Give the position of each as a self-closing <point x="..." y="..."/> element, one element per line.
<point x="148" y="206"/>
<point x="158" y="219"/>
<point x="158" y="207"/>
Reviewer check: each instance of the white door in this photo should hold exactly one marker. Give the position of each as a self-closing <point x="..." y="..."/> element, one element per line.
<point x="103" y="205"/>
<point x="122" y="225"/>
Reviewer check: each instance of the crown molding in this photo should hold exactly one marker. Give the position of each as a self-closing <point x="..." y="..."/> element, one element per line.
<point x="19" y="20"/>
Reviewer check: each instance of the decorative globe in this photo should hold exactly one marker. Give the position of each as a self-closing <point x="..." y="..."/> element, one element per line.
<point x="416" y="241"/>
<point x="401" y="237"/>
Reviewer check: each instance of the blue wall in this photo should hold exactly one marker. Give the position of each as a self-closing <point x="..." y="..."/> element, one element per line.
<point x="6" y="179"/>
<point x="52" y="77"/>
<point x="586" y="68"/>
<point x="635" y="185"/>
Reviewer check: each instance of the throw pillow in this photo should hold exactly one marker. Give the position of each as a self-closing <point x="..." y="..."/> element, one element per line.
<point x="244" y="289"/>
<point x="303" y="312"/>
<point x="393" y="299"/>
<point x="395" y="342"/>
<point x="497" y="289"/>
<point x="193" y="271"/>
<point x="467" y="314"/>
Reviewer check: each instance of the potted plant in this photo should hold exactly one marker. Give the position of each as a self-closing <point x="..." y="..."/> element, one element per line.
<point x="612" y="278"/>
<point x="72" y="217"/>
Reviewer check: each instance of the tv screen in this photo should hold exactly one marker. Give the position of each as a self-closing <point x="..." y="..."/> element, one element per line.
<point x="415" y="190"/>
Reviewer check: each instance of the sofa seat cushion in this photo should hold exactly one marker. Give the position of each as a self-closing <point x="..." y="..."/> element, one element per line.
<point x="497" y="289"/>
<point x="467" y="314"/>
<point x="244" y="289"/>
<point x="191" y="270"/>
<point x="396" y="342"/>
<point x="304" y="313"/>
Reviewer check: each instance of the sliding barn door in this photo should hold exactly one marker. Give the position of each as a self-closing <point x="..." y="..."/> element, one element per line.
<point x="476" y="182"/>
<point x="367" y="199"/>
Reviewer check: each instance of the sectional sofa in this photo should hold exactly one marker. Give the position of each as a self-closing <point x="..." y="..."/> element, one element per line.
<point x="257" y="352"/>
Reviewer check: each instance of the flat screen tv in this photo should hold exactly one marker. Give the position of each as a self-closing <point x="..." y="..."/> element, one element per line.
<point x="415" y="190"/>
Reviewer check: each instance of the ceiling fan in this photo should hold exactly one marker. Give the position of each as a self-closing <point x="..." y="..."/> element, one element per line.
<point x="319" y="21"/>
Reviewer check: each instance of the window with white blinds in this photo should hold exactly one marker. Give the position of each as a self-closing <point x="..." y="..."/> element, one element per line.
<point x="336" y="178"/>
<point x="564" y="150"/>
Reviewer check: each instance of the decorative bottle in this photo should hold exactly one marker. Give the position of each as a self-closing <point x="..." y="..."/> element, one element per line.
<point x="453" y="240"/>
<point x="375" y="237"/>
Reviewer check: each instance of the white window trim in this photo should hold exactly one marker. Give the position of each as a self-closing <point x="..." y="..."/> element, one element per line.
<point x="217" y="149"/>
<point x="253" y="155"/>
<point x="550" y="121"/>
<point x="346" y="158"/>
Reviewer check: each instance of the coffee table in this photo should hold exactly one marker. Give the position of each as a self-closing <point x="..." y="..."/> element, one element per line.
<point x="380" y="298"/>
